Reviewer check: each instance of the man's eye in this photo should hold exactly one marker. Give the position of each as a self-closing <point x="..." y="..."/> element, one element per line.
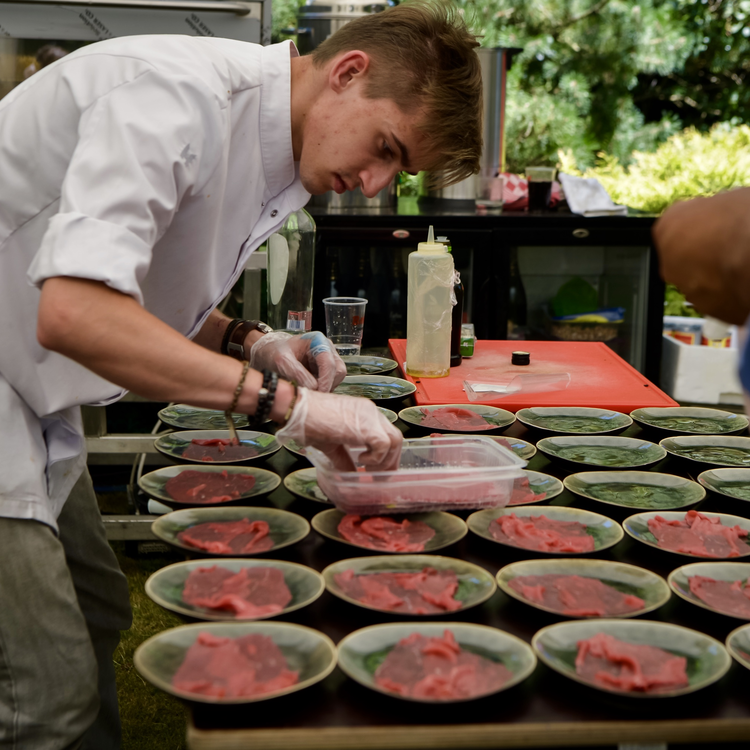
<point x="387" y="149"/>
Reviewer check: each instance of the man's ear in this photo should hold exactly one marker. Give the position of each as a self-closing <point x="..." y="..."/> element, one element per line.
<point x="348" y="68"/>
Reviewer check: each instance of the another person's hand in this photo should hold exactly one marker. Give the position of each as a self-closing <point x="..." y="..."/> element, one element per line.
<point x="704" y="250"/>
<point x="310" y="359"/>
<point x="329" y="422"/>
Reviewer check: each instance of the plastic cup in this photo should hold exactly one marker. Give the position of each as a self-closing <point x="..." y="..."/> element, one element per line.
<point x="490" y="192"/>
<point x="540" y="187"/>
<point x="345" y="321"/>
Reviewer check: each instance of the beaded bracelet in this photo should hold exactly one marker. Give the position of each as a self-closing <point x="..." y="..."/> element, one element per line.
<point x="266" y="396"/>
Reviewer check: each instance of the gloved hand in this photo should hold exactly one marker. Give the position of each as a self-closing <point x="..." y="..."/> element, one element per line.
<point x="329" y="421"/>
<point x="310" y="359"/>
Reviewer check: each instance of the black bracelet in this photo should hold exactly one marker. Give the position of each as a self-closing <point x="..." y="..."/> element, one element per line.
<point x="227" y="333"/>
<point x="266" y="397"/>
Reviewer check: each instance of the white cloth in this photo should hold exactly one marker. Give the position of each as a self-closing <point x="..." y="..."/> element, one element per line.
<point x="587" y="196"/>
<point x="155" y="164"/>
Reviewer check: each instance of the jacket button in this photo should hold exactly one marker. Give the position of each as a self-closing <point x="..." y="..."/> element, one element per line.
<point x="274" y="212"/>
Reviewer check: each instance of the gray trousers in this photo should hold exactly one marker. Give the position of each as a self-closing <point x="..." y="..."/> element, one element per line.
<point x="63" y="602"/>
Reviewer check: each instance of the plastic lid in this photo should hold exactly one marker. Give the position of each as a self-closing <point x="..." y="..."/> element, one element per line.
<point x="431" y="247"/>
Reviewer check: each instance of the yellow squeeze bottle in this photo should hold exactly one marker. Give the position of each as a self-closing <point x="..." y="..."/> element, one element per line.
<point x="429" y="310"/>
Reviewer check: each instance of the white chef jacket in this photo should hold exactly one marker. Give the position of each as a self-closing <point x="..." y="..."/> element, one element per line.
<point x="155" y="164"/>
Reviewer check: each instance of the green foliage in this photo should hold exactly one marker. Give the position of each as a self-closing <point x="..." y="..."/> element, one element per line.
<point x="687" y="165"/>
<point x="676" y="304"/>
<point x="284" y="16"/>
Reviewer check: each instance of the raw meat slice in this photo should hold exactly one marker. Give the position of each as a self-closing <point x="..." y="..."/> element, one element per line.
<point x="730" y="597"/>
<point x="701" y="535"/>
<point x="250" y="593"/>
<point x="232" y="668"/>
<point x="427" y="592"/>
<point x="218" y="450"/>
<point x="576" y="596"/>
<point x="453" y="418"/>
<point x="438" y="669"/>
<point x="204" y="488"/>
<point x="612" y="663"/>
<point x="386" y="534"/>
<point x="542" y="534"/>
<point x="229" y="537"/>
<point x="523" y="494"/>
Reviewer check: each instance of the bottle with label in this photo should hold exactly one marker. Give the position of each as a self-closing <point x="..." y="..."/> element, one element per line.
<point x="429" y="311"/>
<point x="291" y="258"/>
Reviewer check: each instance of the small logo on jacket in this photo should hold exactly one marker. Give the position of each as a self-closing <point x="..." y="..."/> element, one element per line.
<point x="186" y="156"/>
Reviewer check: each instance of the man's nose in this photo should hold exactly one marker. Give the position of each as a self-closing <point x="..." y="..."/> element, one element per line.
<point x="373" y="180"/>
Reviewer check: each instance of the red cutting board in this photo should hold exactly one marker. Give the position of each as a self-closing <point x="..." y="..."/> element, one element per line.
<point x="598" y="376"/>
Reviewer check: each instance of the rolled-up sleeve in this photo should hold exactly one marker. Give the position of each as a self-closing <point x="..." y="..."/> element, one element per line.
<point x="142" y="147"/>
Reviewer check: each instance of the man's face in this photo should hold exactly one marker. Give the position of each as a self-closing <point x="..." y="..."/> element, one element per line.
<point x="351" y="141"/>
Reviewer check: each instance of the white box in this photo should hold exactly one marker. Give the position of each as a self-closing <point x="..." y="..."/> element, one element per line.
<point x="700" y="374"/>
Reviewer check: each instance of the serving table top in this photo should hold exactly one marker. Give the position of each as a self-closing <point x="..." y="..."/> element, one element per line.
<point x="545" y="710"/>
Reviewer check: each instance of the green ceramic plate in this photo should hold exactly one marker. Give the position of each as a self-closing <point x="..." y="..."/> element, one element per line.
<point x="605" y="531"/>
<point x="362" y="364"/>
<point x="285" y="528"/>
<point x="475" y="584"/>
<point x="362" y="651"/>
<point x="310" y="653"/>
<point x="375" y="387"/>
<point x="627" y="579"/>
<point x="637" y="527"/>
<point x="175" y="443"/>
<point x="166" y="585"/>
<point x="391" y="416"/>
<point x="738" y="645"/>
<point x="154" y="483"/>
<point x="573" y="420"/>
<point x="690" y="420"/>
<point x="713" y="451"/>
<point x="642" y="490"/>
<point x="497" y="419"/>
<point x="520" y="447"/>
<point x="604" y="452"/>
<point x="707" y="659"/>
<point x="448" y="528"/>
<point x="733" y="483"/>
<point x="539" y="484"/>
<point x="304" y="483"/>
<point x="679" y="581"/>
<point x="186" y="417"/>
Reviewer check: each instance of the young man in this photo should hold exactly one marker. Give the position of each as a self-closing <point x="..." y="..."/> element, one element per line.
<point x="138" y="176"/>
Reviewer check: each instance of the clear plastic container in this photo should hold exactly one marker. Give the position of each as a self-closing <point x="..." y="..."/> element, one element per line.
<point x="441" y="473"/>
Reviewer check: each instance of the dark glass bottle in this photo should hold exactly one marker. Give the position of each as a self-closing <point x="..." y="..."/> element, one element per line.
<point x="456" y="320"/>
<point x="516" y="299"/>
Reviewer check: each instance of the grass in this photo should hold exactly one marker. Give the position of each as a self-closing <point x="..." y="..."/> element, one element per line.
<point x="151" y="719"/>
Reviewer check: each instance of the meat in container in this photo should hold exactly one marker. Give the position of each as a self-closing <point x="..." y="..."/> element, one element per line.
<point x="435" y="473"/>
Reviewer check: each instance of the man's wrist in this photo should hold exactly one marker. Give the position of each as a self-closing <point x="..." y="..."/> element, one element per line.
<point x="240" y="335"/>
<point x="285" y="393"/>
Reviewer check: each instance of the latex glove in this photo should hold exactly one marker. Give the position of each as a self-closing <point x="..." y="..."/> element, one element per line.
<point x="329" y="421"/>
<point x="310" y="359"/>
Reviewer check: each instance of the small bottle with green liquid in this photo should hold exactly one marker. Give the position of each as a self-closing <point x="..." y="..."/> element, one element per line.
<point x="429" y="310"/>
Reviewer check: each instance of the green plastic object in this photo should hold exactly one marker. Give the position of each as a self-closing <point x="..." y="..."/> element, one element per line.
<point x="573" y="297"/>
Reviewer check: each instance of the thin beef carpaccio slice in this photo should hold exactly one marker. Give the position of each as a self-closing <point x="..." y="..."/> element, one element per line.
<point x="576" y="596"/>
<point x="439" y="669"/>
<point x="427" y="592"/>
<point x="729" y="597"/>
<point x="607" y="661"/>
<point x="240" y="537"/>
<point x="542" y="534"/>
<point x="251" y="592"/>
<point x="232" y="668"/>
<point x="453" y="418"/>
<point x="523" y="494"/>
<point x="218" y="450"/>
<point x="386" y="534"/>
<point x="204" y="488"/>
<point x="699" y="535"/>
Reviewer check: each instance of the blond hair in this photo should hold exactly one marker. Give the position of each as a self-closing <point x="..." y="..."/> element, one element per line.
<point x="422" y="56"/>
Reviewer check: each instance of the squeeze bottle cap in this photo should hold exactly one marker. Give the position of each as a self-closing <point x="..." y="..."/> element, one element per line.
<point x="431" y="247"/>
